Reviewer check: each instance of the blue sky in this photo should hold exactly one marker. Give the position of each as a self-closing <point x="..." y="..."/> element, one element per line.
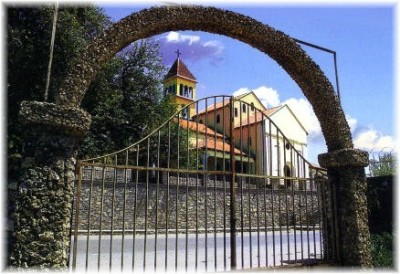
<point x="361" y="35"/>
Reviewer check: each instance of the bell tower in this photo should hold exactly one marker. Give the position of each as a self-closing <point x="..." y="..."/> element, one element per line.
<point x="181" y="84"/>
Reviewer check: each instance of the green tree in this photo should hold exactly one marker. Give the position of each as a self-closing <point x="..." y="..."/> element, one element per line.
<point x="384" y="165"/>
<point x="28" y="42"/>
<point x="125" y="100"/>
<point x="174" y="146"/>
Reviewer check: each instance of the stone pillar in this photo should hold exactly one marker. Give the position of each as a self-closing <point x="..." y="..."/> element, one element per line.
<point x="39" y="232"/>
<point x="346" y="173"/>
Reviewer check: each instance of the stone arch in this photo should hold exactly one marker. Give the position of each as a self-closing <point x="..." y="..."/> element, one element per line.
<point x="280" y="47"/>
<point x="55" y="129"/>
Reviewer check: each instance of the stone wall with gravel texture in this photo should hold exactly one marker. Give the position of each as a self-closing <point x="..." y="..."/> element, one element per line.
<point x="41" y="195"/>
<point x="118" y="206"/>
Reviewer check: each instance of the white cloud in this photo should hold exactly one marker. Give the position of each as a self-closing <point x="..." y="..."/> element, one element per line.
<point x="268" y="96"/>
<point x="192" y="47"/>
<point x="304" y="112"/>
<point x="241" y="91"/>
<point x="352" y="123"/>
<point x="175" y="37"/>
<point x="371" y="139"/>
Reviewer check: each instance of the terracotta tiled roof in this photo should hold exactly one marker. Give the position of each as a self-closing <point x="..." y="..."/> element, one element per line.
<point x="202" y="129"/>
<point x="243" y="95"/>
<point x="271" y="111"/>
<point x="254" y="118"/>
<point x="179" y="69"/>
<point x="214" y="107"/>
<point x="225" y="102"/>
<point x="210" y="143"/>
<point x="258" y="117"/>
<point x="218" y="146"/>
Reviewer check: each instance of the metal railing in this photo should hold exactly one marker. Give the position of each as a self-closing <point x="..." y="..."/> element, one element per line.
<point x="224" y="189"/>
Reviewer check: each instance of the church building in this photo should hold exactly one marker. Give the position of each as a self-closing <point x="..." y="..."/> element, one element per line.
<point x="265" y="140"/>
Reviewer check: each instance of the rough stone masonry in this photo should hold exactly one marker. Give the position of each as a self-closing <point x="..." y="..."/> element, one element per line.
<point x="44" y="188"/>
<point x="43" y="193"/>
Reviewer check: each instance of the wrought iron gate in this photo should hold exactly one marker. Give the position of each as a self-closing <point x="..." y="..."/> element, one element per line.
<point x="223" y="189"/>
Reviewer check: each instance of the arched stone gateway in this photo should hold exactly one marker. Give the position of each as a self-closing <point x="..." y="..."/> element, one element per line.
<point x="276" y="44"/>
<point x="49" y="160"/>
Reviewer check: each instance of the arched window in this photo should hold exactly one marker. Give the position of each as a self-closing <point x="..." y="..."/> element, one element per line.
<point x="181" y="90"/>
<point x="244" y="108"/>
<point x="252" y="106"/>
<point x="236" y="112"/>
<point x="190" y="92"/>
<point x="218" y="119"/>
<point x="186" y="91"/>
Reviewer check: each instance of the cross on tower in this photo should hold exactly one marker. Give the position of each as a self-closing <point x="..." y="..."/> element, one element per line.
<point x="178" y="53"/>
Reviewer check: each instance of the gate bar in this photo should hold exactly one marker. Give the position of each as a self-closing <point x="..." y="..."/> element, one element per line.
<point x="232" y="190"/>
<point x="124" y="208"/>
<point x="78" y="197"/>
<point x="224" y="180"/>
<point x="101" y="213"/>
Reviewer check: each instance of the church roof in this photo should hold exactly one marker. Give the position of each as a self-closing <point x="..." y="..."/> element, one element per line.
<point x="213" y="107"/>
<point x="219" y="105"/>
<point x="214" y="142"/>
<point x="218" y="145"/>
<point x="201" y="128"/>
<point x="179" y="69"/>
<point x="258" y="117"/>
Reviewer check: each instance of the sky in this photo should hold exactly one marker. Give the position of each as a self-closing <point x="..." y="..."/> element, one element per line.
<point x="362" y="35"/>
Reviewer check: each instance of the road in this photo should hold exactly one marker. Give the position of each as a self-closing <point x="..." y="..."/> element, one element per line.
<point x="116" y="251"/>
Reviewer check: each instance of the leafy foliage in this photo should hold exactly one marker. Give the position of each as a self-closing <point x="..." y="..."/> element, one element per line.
<point x="125" y="100"/>
<point x="384" y="165"/>
<point x="382" y="250"/>
<point x="175" y="147"/>
<point x="28" y="42"/>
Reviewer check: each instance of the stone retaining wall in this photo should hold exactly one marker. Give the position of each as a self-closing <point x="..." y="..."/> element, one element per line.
<point x="271" y="208"/>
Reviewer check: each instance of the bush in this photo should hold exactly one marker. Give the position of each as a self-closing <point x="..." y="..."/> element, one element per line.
<point x="382" y="250"/>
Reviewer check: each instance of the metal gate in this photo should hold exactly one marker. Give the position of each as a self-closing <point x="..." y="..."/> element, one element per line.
<point x="223" y="189"/>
